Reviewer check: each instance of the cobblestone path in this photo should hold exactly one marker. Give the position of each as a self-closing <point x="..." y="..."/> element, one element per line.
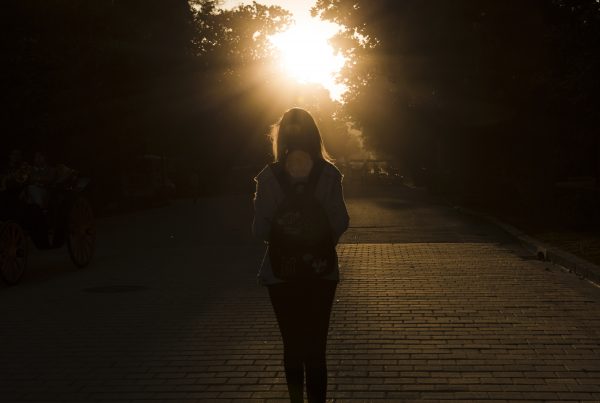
<point x="431" y="307"/>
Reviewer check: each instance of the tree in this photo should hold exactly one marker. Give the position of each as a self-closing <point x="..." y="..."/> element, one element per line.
<point x="481" y="89"/>
<point x="97" y="83"/>
<point x="237" y="99"/>
<point x="83" y="75"/>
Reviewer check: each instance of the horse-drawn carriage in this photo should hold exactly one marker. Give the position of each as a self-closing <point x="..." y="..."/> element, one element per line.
<point x="68" y="219"/>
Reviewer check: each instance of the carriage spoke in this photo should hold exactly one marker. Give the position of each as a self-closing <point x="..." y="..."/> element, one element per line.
<point x="82" y="232"/>
<point x="13" y="252"/>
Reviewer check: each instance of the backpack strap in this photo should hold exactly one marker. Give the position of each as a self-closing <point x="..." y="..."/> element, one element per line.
<point x="315" y="174"/>
<point x="282" y="177"/>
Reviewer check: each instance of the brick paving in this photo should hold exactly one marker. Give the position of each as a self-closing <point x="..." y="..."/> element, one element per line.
<point x="431" y="311"/>
<point x="461" y="321"/>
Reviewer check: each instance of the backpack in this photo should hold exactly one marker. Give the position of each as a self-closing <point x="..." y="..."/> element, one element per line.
<point x="301" y="243"/>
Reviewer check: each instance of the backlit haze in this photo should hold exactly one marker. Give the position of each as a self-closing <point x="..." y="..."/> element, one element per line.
<point x="306" y="55"/>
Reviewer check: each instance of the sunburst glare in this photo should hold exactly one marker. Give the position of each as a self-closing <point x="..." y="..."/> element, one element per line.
<point x="307" y="56"/>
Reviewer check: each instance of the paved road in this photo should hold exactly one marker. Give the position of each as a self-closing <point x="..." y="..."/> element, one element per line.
<point x="432" y="306"/>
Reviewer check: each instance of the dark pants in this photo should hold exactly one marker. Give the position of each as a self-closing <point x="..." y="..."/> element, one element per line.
<point x="302" y="311"/>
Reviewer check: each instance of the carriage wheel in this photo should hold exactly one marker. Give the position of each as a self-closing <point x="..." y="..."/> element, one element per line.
<point x="13" y="252"/>
<point x="81" y="236"/>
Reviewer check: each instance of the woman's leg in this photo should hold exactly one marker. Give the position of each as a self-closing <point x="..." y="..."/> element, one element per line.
<point x="286" y="300"/>
<point x="319" y="301"/>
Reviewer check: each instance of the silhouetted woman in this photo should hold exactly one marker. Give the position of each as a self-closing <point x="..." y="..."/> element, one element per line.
<point x="301" y="287"/>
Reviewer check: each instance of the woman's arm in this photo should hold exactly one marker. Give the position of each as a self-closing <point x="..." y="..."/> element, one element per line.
<point x="264" y="208"/>
<point x="338" y="213"/>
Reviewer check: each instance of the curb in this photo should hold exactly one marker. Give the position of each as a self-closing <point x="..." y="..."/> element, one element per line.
<point x="544" y="252"/>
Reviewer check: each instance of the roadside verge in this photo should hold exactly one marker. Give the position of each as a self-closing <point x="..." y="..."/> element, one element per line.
<point x="543" y="251"/>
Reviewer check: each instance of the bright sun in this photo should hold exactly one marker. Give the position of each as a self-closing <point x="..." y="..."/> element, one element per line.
<point x="308" y="58"/>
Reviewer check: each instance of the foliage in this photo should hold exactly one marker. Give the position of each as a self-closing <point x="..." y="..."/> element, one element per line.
<point x="81" y="74"/>
<point x="233" y="51"/>
<point x="474" y="89"/>
<point x="96" y="83"/>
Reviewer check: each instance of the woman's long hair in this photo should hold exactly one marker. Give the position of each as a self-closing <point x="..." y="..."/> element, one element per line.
<point x="297" y="130"/>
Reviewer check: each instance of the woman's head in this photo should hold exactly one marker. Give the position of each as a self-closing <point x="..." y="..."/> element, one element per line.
<point x="297" y="130"/>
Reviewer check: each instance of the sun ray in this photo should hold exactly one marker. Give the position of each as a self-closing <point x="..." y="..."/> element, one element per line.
<point x="307" y="57"/>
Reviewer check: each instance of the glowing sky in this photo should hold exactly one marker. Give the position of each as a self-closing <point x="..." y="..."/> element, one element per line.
<point x="300" y="8"/>
<point x="306" y="55"/>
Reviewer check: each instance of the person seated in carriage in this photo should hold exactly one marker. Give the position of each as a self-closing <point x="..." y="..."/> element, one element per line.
<point x="39" y="202"/>
<point x="45" y="180"/>
<point x="13" y="176"/>
<point x="41" y="177"/>
<point x="15" y="173"/>
<point x="46" y="187"/>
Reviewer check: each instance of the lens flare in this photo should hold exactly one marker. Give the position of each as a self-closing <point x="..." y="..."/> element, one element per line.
<point x="307" y="56"/>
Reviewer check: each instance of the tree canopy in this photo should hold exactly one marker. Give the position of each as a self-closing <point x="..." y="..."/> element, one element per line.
<point x="482" y="86"/>
<point x="470" y="91"/>
<point x="96" y="83"/>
